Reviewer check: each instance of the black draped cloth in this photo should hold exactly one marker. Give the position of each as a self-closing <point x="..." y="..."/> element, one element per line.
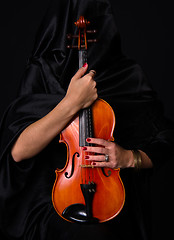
<point x="26" y="210"/>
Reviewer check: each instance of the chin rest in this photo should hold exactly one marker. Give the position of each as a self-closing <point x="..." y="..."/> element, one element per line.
<point x="77" y="213"/>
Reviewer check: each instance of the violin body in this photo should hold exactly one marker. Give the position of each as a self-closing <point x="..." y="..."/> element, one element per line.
<point x="82" y="192"/>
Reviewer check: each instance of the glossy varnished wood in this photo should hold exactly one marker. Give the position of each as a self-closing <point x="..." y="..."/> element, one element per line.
<point x="110" y="194"/>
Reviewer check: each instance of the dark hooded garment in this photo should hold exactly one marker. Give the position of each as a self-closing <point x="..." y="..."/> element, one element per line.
<point x="26" y="210"/>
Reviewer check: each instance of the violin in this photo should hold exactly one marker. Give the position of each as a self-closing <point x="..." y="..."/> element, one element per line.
<point x="83" y="193"/>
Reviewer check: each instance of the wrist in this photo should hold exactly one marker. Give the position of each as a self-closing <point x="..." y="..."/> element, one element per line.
<point x="130" y="162"/>
<point x="137" y="159"/>
<point x="73" y="104"/>
<point x="70" y="105"/>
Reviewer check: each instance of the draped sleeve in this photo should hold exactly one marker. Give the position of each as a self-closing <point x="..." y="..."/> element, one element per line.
<point x="20" y="194"/>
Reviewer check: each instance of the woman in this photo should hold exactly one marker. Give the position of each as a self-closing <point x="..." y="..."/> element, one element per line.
<point x="52" y="92"/>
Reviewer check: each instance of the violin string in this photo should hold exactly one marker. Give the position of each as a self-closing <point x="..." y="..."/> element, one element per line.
<point x="81" y="162"/>
<point x="89" y="171"/>
<point x="90" y="133"/>
<point x="86" y="117"/>
<point x="85" y="170"/>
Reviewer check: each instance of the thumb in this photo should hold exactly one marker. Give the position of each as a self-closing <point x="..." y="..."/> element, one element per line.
<point x="81" y="71"/>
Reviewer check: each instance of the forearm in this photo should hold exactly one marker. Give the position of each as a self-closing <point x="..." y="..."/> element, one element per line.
<point x="39" y="134"/>
<point x="145" y="160"/>
<point x="81" y="94"/>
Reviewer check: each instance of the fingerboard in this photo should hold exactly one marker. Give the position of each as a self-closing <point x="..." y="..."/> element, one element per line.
<point x="85" y="115"/>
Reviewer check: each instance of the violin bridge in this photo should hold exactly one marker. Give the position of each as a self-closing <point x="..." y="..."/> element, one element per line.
<point x="86" y="166"/>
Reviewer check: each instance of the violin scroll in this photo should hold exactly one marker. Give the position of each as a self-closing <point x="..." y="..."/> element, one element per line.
<point x="82" y="24"/>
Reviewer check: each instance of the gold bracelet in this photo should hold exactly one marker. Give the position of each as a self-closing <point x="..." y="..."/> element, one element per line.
<point x="137" y="159"/>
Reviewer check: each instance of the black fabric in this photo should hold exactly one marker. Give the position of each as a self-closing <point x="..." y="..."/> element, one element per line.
<point x="25" y="187"/>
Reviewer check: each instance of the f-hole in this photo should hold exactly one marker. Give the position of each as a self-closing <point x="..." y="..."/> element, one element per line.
<point x="72" y="169"/>
<point x="104" y="173"/>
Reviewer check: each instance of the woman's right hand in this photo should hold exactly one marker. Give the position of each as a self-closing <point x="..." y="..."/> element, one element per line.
<point x="82" y="90"/>
<point x="81" y="93"/>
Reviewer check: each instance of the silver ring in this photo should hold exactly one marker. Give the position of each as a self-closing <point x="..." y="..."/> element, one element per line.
<point x="106" y="158"/>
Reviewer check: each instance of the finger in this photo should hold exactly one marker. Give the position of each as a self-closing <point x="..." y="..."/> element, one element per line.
<point x="81" y="71"/>
<point x="98" y="141"/>
<point x="97" y="158"/>
<point x="92" y="73"/>
<point x="101" y="164"/>
<point x="99" y="150"/>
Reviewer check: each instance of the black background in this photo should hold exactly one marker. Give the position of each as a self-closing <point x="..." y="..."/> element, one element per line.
<point x="146" y="28"/>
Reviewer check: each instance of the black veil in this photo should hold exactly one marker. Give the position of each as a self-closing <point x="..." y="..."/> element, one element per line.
<point x="25" y="187"/>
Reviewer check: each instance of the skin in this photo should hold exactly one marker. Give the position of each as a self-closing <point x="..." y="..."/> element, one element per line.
<point x="118" y="156"/>
<point x="39" y="134"/>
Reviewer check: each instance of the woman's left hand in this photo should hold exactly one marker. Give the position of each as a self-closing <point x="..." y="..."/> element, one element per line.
<point x="108" y="154"/>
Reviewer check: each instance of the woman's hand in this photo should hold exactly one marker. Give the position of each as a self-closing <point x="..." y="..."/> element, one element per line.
<point x="118" y="157"/>
<point x="82" y="90"/>
<point x="81" y="93"/>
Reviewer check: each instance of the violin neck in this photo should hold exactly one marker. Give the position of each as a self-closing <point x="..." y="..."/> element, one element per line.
<point x="82" y="57"/>
<point x="85" y="126"/>
<point x="85" y="115"/>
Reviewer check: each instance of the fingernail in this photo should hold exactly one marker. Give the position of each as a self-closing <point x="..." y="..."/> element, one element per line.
<point x="84" y="148"/>
<point x="86" y="157"/>
<point x="93" y="163"/>
<point x="93" y="71"/>
<point x="84" y="65"/>
<point x="88" y="140"/>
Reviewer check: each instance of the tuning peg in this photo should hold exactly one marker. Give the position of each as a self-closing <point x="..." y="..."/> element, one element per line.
<point x="70" y="36"/>
<point x="91" y="31"/>
<point x="92" y="40"/>
<point x="71" y="46"/>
